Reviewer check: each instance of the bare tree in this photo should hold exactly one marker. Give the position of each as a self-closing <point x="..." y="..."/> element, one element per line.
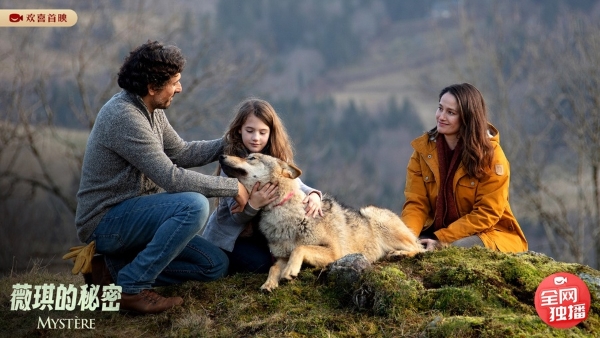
<point x="542" y="89"/>
<point x="572" y="98"/>
<point x="51" y="86"/>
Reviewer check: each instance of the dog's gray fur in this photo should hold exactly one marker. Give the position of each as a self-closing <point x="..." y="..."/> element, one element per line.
<point x="295" y="238"/>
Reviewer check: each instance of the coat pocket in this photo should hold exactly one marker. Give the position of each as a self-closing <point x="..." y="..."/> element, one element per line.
<point x="465" y="193"/>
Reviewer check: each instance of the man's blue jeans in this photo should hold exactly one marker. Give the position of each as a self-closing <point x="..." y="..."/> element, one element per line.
<point x="153" y="241"/>
<point x="250" y="254"/>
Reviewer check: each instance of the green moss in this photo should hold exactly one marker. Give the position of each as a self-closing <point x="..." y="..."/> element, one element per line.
<point x="521" y="273"/>
<point x="494" y="326"/>
<point x="452" y="276"/>
<point x="449" y="293"/>
<point x="393" y="294"/>
<point x="458" y="301"/>
<point x="528" y="326"/>
<point x="454" y="327"/>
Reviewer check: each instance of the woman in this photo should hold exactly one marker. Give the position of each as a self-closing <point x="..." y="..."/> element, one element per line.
<point x="457" y="181"/>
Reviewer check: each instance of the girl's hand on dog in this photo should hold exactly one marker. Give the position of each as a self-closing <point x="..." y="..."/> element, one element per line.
<point x="261" y="196"/>
<point x="313" y="205"/>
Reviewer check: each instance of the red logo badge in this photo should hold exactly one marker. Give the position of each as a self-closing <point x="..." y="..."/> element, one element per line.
<point x="15" y="17"/>
<point x="562" y="300"/>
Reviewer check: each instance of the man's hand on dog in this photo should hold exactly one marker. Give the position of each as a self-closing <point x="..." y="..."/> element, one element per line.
<point x="313" y="205"/>
<point x="240" y="199"/>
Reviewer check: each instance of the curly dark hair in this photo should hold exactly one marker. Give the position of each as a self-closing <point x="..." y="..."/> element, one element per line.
<point x="150" y="64"/>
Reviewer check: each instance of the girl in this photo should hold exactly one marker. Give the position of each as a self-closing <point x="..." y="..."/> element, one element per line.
<point x="458" y="177"/>
<point x="256" y="128"/>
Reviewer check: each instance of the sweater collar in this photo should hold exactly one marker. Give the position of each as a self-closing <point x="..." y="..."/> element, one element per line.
<point x="135" y="99"/>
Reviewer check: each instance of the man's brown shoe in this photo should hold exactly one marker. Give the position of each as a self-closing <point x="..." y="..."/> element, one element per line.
<point x="148" y="301"/>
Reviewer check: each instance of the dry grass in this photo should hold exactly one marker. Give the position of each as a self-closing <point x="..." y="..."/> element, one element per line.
<point x="450" y="293"/>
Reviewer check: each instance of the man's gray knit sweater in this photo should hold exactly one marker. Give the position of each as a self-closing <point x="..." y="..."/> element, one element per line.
<point x="132" y="152"/>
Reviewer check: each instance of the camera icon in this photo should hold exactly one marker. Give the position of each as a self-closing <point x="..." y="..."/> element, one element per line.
<point x="15" y="17"/>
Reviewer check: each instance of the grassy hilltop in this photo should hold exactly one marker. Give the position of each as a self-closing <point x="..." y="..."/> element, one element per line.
<point x="449" y="293"/>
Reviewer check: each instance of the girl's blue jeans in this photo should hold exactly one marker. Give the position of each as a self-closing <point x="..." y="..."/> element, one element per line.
<point x="153" y="241"/>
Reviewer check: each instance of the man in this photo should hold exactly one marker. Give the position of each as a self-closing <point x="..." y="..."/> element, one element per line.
<point x="136" y="200"/>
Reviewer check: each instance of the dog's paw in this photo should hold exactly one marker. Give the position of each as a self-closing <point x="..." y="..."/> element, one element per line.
<point x="269" y="286"/>
<point x="290" y="273"/>
<point x="397" y="255"/>
<point x="288" y="277"/>
<point x="400" y="254"/>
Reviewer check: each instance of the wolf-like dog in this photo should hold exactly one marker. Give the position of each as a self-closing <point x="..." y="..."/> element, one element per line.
<point x="295" y="239"/>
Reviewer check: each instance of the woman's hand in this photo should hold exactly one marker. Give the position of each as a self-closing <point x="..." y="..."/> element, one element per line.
<point x="430" y="244"/>
<point x="313" y="205"/>
<point x="261" y="196"/>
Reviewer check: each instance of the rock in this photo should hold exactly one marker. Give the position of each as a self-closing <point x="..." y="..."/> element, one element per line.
<point x="347" y="270"/>
<point x="344" y="274"/>
<point x="592" y="281"/>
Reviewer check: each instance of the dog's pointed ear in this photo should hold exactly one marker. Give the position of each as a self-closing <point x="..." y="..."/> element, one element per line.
<point x="289" y="170"/>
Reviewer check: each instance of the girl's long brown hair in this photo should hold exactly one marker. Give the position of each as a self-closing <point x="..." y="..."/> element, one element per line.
<point x="477" y="149"/>
<point x="279" y="144"/>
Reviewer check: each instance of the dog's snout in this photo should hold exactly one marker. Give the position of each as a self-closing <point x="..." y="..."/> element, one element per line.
<point x="221" y="157"/>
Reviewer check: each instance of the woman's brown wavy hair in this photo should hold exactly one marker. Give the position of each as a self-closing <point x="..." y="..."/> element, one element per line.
<point x="477" y="149"/>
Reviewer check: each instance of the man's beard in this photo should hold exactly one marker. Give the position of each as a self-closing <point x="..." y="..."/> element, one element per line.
<point x="165" y="104"/>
